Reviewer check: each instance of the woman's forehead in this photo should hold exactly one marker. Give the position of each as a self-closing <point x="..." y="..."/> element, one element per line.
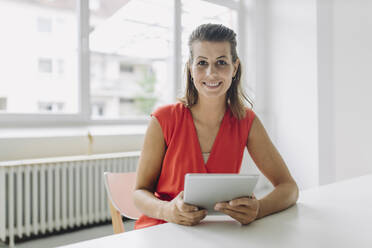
<point x="211" y="49"/>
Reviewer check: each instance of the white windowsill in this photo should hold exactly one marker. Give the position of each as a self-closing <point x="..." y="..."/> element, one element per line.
<point x="71" y="131"/>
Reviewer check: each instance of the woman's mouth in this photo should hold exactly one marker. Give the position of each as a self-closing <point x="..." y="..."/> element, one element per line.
<point x="212" y="85"/>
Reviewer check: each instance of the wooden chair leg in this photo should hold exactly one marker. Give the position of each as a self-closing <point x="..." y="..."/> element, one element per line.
<point x="117" y="222"/>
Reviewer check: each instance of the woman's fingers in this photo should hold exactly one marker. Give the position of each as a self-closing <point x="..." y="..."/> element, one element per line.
<point x="183" y="207"/>
<point x="239" y="209"/>
<point x="182" y="213"/>
<point x="194" y="216"/>
<point x="187" y="223"/>
<point x="187" y="218"/>
<point x="244" y="210"/>
<point x="242" y="218"/>
<point x="245" y="201"/>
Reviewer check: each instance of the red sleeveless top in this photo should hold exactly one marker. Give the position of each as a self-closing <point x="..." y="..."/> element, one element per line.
<point x="183" y="153"/>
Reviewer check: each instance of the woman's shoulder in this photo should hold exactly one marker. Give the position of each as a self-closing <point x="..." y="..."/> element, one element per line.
<point x="246" y="121"/>
<point x="169" y="117"/>
<point x="249" y="118"/>
<point x="246" y="114"/>
<point x="249" y="113"/>
<point x="169" y="109"/>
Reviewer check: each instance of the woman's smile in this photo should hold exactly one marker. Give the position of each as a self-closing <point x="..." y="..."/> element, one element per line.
<point x="212" y="85"/>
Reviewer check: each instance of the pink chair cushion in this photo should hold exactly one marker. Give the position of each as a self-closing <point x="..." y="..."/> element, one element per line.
<point x="120" y="187"/>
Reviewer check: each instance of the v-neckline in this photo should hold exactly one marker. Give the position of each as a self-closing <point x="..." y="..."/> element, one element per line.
<point x="195" y="135"/>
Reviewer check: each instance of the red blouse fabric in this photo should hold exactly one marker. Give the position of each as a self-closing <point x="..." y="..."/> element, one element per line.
<point x="183" y="153"/>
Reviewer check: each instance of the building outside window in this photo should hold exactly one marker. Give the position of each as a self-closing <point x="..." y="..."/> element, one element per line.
<point x="131" y="55"/>
<point x="38" y="44"/>
<point x="45" y="65"/>
<point x="44" y="25"/>
<point x="50" y="106"/>
<point x="2" y="104"/>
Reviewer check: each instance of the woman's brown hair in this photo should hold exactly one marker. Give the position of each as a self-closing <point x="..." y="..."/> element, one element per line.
<point x="235" y="96"/>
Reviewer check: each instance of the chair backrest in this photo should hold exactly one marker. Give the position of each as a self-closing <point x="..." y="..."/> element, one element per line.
<point x="120" y="187"/>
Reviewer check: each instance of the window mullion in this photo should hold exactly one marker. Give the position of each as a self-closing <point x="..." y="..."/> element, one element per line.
<point x="177" y="49"/>
<point x="83" y="60"/>
<point x="242" y="43"/>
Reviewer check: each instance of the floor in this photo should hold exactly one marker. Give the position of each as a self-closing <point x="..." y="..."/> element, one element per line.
<point x="69" y="237"/>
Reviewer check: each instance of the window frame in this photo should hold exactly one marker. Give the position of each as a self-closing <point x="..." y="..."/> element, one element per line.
<point x="83" y="116"/>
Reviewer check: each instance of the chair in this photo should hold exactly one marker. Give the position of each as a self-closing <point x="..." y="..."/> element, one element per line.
<point x="119" y="187"/>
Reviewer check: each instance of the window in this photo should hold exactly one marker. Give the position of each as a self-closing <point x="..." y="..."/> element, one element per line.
<point x="130" y="56"/>
<point x="44" y="25"/>
<point x="45" y="65"/>
<point x="122" y="51"/>
<point x="98" y="109"/>
<point x="125" y="68"/>
<point x="60" y="66"/>
<point x="2" y="103"/>
<point x="50" y="106"/>
<point x="31" y="62"/>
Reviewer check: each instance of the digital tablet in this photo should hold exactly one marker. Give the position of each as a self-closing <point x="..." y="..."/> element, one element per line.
<point x="205" y="190"/>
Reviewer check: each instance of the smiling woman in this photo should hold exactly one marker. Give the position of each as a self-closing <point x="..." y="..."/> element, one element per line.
<point x="214" y="61"/>
<point x="211" y="119"/>
<point x="212" y="70"/>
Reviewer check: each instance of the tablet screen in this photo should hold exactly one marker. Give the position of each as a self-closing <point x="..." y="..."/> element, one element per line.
<point x="205" y="190"/>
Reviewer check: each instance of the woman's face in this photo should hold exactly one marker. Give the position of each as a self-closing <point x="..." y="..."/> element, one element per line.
<point x="212" y="68"/>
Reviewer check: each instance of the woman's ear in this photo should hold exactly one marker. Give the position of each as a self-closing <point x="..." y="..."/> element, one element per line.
<point x="236" y="66"/>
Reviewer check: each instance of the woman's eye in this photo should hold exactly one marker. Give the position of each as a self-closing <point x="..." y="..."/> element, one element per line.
<point x="202" y="62"/>
<point x="221" y="62"/>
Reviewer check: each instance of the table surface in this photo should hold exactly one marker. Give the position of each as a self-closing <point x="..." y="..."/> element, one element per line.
<point x="334" y="215"/>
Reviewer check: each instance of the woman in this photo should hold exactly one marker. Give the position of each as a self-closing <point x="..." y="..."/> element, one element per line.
<point x="206" y="132"/>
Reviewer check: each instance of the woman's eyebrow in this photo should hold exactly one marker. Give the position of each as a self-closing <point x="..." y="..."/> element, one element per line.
<point x="223" y="56"/>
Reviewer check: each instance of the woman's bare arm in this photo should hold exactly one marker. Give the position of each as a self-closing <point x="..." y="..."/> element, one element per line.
<point x="271" y="164"/>
<point x="148" y="172"/>
<point x="268" y="160"/>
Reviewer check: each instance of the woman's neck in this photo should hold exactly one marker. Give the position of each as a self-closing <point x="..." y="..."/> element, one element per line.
<point x="208" y="111"/>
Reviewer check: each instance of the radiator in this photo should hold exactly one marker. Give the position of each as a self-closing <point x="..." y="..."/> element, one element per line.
<point x="46" y="195"/>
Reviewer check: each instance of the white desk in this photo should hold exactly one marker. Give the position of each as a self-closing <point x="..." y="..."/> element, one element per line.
<point x="335" y="215"/>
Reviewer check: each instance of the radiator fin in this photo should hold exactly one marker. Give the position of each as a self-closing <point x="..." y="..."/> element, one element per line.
<point x="46" y="195"/>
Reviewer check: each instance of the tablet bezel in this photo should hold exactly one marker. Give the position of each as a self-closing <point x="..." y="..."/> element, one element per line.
<point x="206" y="189"/>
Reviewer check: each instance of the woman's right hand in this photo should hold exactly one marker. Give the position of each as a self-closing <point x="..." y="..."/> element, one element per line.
<point x="177" y="211"/>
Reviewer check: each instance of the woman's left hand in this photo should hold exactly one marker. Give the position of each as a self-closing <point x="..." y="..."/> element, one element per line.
<point x="245" y="209"/>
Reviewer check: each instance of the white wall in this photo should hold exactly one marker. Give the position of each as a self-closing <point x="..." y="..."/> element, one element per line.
<point x="314" y="80"/>
<point x="290" y="84"/>
<point x="325" y="91"/>
<point x="352" y="87"/>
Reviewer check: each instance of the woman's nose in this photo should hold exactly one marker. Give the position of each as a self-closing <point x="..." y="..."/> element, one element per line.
<point x="211" y="70"/>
